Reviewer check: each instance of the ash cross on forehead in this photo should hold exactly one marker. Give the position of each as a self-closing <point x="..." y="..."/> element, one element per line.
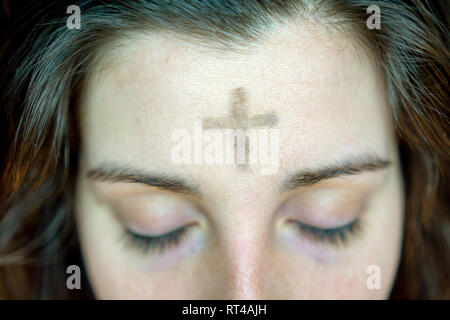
<point x="239" y="120"/>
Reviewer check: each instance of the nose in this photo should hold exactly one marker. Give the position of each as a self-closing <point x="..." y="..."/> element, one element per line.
<point x="245" y="268"/>
<point x="244" y="234"/>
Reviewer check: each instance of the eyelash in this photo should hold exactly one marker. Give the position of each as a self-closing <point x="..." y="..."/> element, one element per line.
<point x="334" y="236"/>
<point x="154" y="244"/>
<point x="159" y="244"/>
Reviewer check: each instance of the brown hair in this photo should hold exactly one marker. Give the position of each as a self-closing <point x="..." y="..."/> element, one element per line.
<point x="42" y="73"/>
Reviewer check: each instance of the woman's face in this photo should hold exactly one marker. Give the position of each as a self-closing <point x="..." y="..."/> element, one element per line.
<point x="308" y="222"/>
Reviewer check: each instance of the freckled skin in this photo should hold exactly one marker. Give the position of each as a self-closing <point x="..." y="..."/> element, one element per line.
<point x="330" y="102"/>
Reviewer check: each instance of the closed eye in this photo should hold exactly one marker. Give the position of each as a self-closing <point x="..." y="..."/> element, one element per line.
<point x="335" y="236"/>
<point x="155" y="244"/>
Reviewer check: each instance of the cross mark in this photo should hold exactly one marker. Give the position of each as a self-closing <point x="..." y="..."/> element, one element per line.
<point x="239" y="119"/>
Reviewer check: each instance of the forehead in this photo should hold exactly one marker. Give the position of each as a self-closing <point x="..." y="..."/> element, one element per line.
<point x="326" y="92"/>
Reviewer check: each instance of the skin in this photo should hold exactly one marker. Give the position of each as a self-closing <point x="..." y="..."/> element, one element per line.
<point x="331" y="105"/>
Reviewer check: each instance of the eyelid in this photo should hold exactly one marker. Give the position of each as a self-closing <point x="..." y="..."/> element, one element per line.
<point x="155" y="244"/>
<point x="148" y="216"/>
<point x="336" y="236"/>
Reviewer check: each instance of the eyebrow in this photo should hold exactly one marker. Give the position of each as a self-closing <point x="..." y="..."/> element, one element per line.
<point x="126" y="174"/>
<point x="304" y="178"/>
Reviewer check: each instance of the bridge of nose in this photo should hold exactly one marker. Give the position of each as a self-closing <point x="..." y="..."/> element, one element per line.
<point x="246" y="256"/>
<point x="243" y="220"/>
<point x="245" y="241"/>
